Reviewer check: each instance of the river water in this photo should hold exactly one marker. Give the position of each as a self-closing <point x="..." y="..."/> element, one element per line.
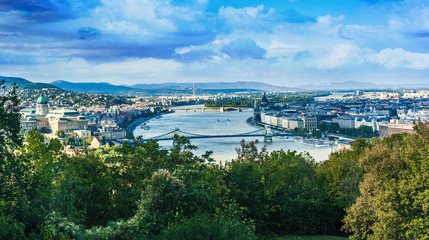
<point x="212" y="122"/>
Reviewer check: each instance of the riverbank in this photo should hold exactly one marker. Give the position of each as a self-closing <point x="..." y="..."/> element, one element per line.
<point x="252" y="122"/>
<point x="141" y="120"/>
<point x="302" y="138"/>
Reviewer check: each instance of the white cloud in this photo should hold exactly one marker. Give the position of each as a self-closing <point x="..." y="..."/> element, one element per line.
<point x="399" y="58"/>
<point x="254" y="18"/>
<point x="137" y="17"/>
<point x="338" y="56"/>
<point x="410" y="15"/>
<point x="328" y="25"/>
<point x="278" y="48"/>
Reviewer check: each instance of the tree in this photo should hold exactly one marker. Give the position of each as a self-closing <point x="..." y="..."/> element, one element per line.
<point x="279" y="191"/>
<point x="9" y="119"/>
<point x="393" y="201"/>
<point x="83" y="190"/>
<point x="340" y="176"/>
<point x="129" y="135"/>
<point x="60" y="133"/>
<point x="316" y="134"/>
<point x="70" y="141"/>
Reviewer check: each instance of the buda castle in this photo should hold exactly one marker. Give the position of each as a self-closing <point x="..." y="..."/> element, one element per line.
<point x="60" y="119"/>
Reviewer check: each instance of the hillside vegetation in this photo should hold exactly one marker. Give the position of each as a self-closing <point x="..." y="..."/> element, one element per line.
<point x="24" y="83"/>
<point x="376" y="190"/>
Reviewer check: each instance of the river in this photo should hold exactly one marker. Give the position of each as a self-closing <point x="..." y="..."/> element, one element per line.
<point x="212" y="122"/>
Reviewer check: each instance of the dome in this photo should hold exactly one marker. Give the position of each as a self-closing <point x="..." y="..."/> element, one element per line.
<point x="42" y="100"/>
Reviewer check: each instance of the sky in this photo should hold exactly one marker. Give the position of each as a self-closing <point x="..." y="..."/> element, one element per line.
<point x="280" y="42"/>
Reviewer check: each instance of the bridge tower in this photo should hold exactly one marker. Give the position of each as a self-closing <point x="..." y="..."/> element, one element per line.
<point x="268" y="134"/>
<point x="175" y="132"/>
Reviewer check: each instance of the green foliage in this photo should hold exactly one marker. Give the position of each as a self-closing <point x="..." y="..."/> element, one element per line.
<point x="11" y="229"/>
<point x="44" y="130"/>
<point x="301" y="130"/>
<point x="147" y="192"/>
<point x="9" y="119"/>
<point x="316" y="134"/>
<point x="319" y="237"/>
<point x="279" y="192"/>
<point x="394" y="198"/>
<point x="83" y="190"/>
<point x="70" y="141"/>
<point x="129" y="135"/>
<point x="362" y="131"/>
<point x="340" y="176"/>
<point x="202" y="227"/>
<point x="60" y="133"/>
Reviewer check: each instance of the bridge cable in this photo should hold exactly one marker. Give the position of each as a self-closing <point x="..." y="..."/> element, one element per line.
<point x="162" y="135"/>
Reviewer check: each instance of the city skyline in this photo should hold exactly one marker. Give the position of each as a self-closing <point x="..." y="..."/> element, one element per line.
<point x="285" y="43"/>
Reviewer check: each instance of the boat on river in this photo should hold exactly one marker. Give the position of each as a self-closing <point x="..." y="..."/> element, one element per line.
<point x="313" y="142"/>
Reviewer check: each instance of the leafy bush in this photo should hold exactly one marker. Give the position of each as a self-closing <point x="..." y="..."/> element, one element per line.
<point x="203" y="227"/>
<point x="11" y="228"/>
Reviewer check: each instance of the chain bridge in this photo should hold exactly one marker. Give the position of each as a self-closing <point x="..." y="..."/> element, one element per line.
<point x="267" y="133"/>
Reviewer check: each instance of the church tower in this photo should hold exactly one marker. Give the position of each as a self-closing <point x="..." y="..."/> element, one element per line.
<point x="42" y="106"/>
<point x="256" y="112"/>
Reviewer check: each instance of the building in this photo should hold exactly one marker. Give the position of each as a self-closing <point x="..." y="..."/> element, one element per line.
<point x="310" y="123"/>
<point x="259" y="110"/>
<point x="394" y="128"/>
<point x="265" y="104"/>
<point x="370" y="122"/>
<point x="61" y="119"/>
<point x="96" y="143"/>
<point x="42" y="106"/>
<point x="83" y="133"/>
<point x="295" y="123"/>
<point x="114" y="134"/>
<point x="345" y="122"/>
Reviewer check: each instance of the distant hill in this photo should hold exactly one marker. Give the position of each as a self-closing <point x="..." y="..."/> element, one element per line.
<point x="353" y="85"/>
<point x="93" y="87"/>
<point x="25" y="84"/>
<point x="347" y="85"/>
<point x="215" y="85"/>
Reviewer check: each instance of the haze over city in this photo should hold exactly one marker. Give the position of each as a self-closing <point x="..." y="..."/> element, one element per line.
<point x="286" y="43"/>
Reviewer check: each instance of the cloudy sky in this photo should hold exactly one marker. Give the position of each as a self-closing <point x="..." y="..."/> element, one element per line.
<point x="282" y="42"/>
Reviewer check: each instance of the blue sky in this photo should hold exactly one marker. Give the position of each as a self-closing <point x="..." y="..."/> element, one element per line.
<point x="282" y="42"/>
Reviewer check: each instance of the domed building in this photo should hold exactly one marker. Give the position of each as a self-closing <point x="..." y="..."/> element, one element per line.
<point x="42" y="106"/>
<point x="264" y="106"/>
<point x="60" y="119"/>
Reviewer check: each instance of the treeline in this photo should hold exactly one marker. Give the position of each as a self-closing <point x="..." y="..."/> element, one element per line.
<point x="362" y="131"/>
<point x="273" y="98"/>
<point x="375" y="190"/>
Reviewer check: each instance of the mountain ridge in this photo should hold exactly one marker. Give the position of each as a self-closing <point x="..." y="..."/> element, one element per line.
<point x="214" y="85"/>
<point x="24" y="83"/>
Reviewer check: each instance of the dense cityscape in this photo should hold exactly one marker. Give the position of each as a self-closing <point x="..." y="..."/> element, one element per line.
<point x="107" y="118"/>
<point x="91" y="178"/>
<point x="214" y="120"/>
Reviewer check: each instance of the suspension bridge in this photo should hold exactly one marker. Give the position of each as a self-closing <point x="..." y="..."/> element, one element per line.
<point x="267" y="133"/>
<point x="202" y="109"/>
